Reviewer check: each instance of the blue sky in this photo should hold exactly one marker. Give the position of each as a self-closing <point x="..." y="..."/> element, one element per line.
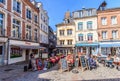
<point x="57" y="8"/>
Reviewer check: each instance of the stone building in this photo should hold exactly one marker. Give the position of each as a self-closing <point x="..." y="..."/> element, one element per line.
<point x="86" y="31"/>
<point x="66" y="35"/>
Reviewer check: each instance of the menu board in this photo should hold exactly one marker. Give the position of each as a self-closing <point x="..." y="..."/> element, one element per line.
<point x="64" y="64"/>
<point x="83" y="61"/>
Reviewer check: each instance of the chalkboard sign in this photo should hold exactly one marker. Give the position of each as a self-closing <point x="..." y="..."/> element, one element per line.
<point x="83" y="62"/>
<point x="64" y="64"/>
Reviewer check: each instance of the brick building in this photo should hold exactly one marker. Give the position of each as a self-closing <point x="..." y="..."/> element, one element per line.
<point x="109" y="29"/>
<point x="19" y="25"/>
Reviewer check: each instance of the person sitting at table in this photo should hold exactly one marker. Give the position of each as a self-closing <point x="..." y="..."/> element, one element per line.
<point x="108" y="61"/>
<point x="40" y="64"/>
<point x="91" y="62"/>
<point x="116" y="60"/>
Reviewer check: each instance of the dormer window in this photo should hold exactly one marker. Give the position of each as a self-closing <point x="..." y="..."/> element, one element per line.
<point x="16" y="6"/>
<point x="28" y="14"/>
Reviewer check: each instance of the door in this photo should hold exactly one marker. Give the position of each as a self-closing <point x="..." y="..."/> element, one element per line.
<point x="1" y="54"/>
<point x="27" y="55"/>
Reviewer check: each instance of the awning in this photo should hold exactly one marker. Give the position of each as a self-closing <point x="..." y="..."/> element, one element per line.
<point x="28" y="47"/>
<point x="87" y="44"/>
<point x="110" y="44"/>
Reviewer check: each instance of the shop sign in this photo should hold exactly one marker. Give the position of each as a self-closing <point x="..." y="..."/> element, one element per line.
<point x="44" y="55"/>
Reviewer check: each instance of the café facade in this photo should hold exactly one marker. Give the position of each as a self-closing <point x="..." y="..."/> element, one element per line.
<point x="20" y="51"/>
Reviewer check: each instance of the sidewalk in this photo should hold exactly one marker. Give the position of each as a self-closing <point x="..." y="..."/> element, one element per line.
<point x="12" y="71"/>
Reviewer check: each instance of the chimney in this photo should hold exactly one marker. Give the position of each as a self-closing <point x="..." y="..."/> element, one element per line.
<point x="67" y="15"/>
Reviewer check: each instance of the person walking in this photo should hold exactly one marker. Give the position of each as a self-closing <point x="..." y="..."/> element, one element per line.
<point x="33" y="62"/>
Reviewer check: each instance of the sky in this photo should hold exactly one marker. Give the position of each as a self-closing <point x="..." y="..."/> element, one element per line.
<point x="57" y="8"/>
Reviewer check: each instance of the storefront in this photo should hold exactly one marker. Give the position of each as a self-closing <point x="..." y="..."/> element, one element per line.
<point x="112" y="48"/>
<point x="20" y="51"/>
<point x="66" y="50"/>
<point x="87" y="48"/>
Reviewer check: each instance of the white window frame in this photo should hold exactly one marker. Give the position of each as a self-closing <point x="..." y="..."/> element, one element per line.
<point x="104" y="36"/>
<point x="113" y="20"/>
<point x="17" y="33"/>
<point x="114" y="34"/>
<point x="104" y="21"/>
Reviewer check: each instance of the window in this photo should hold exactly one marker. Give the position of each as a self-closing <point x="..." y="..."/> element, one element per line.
<point x="35" y="18"/>
<point x="35" y="34"/>
<point x="2" y="1"/>
<point x="28" y="32"/>
<point x="89" y="25"/>
<point x="80" y="26"/>
<point x="89" y="13"/>
<point x="62" y="42"/>
<point x="69" y="42"/>
<point x="80" y="37"/>
<point x="113" y="20"/>
<point x="61" y="32"/>
<point x="81" y="14"/>
<point x="16" y="29"/>
<point x="69" y="32"/>
<point x="104" y="21"/>
<point x="17" y="6"/>
<point x="114" y="34"/>
<point x="90" y="37"/>
<point x="29" y="15"/>
<point x="1" y="24"/>
<point x="16" y="52"/>
<point x="104" y="34"/>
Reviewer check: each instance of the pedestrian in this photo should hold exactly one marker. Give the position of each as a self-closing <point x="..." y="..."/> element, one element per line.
<point x="33" y="62"/>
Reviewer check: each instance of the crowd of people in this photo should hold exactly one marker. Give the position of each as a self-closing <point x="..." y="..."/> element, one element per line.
<point x="38" y="64"/>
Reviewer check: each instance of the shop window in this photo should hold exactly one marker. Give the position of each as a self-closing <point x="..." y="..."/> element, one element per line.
<point x="35" y="51"/>
<point x="15" y="52"/>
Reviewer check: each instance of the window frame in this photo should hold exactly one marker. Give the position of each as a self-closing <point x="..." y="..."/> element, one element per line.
<point x="90" y="35"/>
<point x="16" y="28"/>
<point x="17" y="8"/>
<point x="115" y="33"/>
<point x="104" y="21"/>
<point x="80" y="36"/>
<point x="104" y="35"/>
<point x="89" y="25"/>
<point x="80" y="26"/>
<point x="113" y="20"/>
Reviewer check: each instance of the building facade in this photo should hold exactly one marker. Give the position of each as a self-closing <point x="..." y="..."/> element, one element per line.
<point x="66" y="35"/>
<point x="44" y="27"/>
<point x="109" y="29"/>
<point x="86" y="31"/>
<point x="18" y="31"/>
<point x="52" y="41"/>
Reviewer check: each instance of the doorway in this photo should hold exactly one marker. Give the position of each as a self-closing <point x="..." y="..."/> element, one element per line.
<point x="1" y="55"/>
<point x="27" y="55"/>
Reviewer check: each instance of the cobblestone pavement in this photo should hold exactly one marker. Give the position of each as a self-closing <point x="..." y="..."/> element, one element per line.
<point x="53" y="74"/>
